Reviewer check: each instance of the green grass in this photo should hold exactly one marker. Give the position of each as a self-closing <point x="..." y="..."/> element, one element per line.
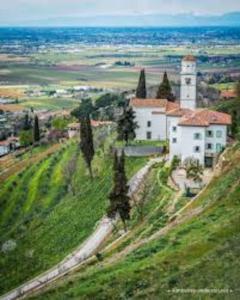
<point x="224" y="86"/>
<point x="44" y="219"/>
<point x="142" y="143"/>
<point x="49" y="103"/>
<point x="200" y="253"/>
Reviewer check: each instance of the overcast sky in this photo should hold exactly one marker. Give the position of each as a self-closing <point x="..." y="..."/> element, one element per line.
<point x="21" y="10"/>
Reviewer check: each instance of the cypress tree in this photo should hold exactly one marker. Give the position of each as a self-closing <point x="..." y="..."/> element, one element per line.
<point x="238" y="89"/>
<point x="141" y="88"/>
<point x="119" y="199"/>
<point x="36" y="131"/>
<point x="86" y="142"/>
<point x="124" y="205"/>
<point x="234" y="125"/>
<point x="26" y="122"/>
<point x="126" y="125"/>
<point x="112" y="209"/>
<point x="165" y="90"/>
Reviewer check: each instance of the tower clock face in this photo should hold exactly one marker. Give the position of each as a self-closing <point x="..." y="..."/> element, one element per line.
<point x="188" y="81"/>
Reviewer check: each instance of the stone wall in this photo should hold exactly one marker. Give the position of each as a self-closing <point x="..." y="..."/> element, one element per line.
<point x="138" y="151"/>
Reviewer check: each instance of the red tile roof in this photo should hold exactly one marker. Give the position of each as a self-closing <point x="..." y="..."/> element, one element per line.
<point x="172" y="105"/>
<point x="136" y="102"/>
<point x="154" y="103"/>
<point x="179" y="112"/>
<point x="228" y="94"/>
<point x="204" y="118"/>
<point x="93" y="123"/>
<point x="189" y="58"/>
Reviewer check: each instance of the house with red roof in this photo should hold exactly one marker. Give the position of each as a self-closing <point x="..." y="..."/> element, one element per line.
<point x="192" y="133"/>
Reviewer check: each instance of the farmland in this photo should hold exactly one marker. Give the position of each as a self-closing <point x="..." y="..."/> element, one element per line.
<point x="108" y="59"/>
<point x="98" y="66"/>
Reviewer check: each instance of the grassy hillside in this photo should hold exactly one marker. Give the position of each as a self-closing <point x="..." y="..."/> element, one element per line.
<point x="41" y="220"/>
<point x="197" y="250"/>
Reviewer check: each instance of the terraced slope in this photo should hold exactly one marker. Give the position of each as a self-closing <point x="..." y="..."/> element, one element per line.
<point x="42" y="220"/>
<point x="198" y="251"/>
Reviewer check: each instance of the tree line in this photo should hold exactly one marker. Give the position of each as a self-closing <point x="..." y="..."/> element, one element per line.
<point x="164" y="89"/>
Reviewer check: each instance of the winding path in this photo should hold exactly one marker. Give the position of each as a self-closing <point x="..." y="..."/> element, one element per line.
<point x="85" y="251"/>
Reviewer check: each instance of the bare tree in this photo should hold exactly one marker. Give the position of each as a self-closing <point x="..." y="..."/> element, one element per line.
<point x="68" y="172"/>
<point x="194" y="170"/>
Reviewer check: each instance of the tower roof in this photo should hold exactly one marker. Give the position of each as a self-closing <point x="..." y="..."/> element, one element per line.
<point x="189" y="58"/>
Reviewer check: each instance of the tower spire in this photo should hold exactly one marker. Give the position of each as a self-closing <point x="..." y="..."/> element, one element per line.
<point x="188" y="96"/>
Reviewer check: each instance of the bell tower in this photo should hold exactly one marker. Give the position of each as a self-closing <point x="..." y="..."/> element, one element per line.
<point x="188" y="96"/>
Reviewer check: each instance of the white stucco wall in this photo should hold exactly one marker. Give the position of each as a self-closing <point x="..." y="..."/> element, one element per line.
<point x="188" y="143"/>
<point x="188" y="91"/>
<point x="158" y="126"/>
<point x="174" y="148"/>
<point x="4" y="150"/>
<point x="215" y="139"/>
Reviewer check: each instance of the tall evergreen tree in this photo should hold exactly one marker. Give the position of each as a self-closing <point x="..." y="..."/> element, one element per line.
<point x="165" y="90"/>
<point x="238" y="89"/>
<point x="141" y="88"/>
<point x="126" y="125"/>
<point x="26" y="122"/>
<point x="36" y="131"/>
<point x="234" y="125"/>
<point x="119" y="199"/>
<point x="86" y="142"/>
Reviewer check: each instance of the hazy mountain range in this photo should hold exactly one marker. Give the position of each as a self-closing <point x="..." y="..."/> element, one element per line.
<point x="228" y="19"/>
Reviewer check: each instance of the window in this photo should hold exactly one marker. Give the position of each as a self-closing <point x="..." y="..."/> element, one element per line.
<point x="209" y="146"/>
<point x="219" y="148"/>
<point x="174" y="140"/>
<point x="197" y="136"/>
<point x="197" y="149"/>
<point x="174" y="129"/>
<point x="219" y="134"/>
<point x="209" y="133"/>
<point x="149" y="135"/>
<point x="149" y="124"/>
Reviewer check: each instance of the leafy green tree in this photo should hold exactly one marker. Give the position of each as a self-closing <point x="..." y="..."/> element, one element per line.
<point x="141" y="88"/>
<point x="119" y="199"/>
<point x="86" y="142"/>
<point x="36" y="131"/>
<point x="60" y="123"/>
<point x="165" y="90"/>
<point x="26" y="137"/>
<point x="107" y="105"/>
<point x="85" y="109"/>
<point x="127" y="125"/>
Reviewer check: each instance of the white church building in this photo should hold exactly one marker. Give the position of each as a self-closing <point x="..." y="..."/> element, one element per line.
<point x="191" y="132"/>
